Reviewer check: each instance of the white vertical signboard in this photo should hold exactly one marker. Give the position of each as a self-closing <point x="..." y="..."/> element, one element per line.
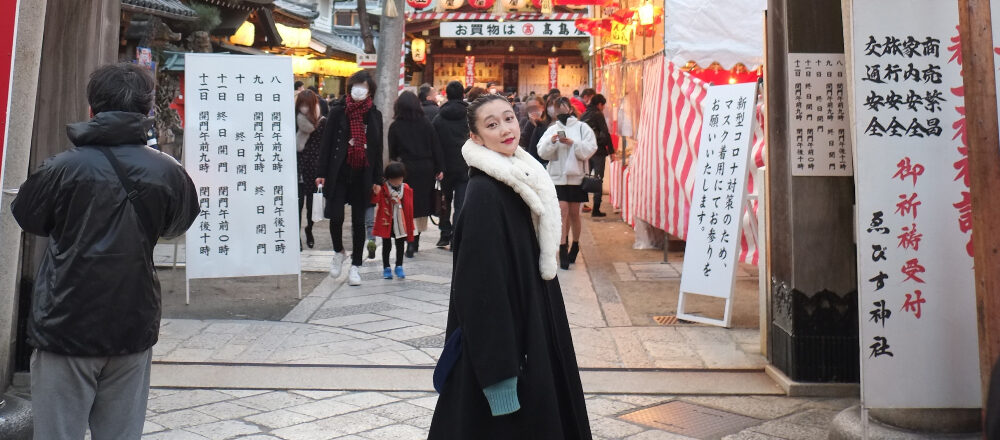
<point x="719" y="196"/>
<point x="817" y="113"/>
<point x="239" y="142"/>
<point x="919" y="344"/>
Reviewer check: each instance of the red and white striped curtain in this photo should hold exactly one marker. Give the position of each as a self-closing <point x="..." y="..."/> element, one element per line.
<point x="660" y="182"/>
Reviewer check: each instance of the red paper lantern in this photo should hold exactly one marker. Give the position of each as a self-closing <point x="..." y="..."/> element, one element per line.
<point x="481" y="4"/>
<point x="418" y="4"/>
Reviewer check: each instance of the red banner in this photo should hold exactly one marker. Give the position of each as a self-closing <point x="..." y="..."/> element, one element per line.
<point x="8" y="16"/>
<point x="470" y="71"/>
<point x="553" y="73"/>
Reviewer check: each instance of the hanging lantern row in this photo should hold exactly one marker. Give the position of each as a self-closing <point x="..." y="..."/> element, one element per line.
<point x="545" y="6"/>
<point x="715" y="74"/>
<point x="645" y="18"/>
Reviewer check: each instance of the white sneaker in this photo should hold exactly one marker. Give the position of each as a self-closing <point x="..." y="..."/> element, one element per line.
<point x="354" y="277"/>
<point x="337" y="265"/>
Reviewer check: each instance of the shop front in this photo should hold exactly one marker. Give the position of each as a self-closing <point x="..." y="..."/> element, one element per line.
<point x="516" y="53"/>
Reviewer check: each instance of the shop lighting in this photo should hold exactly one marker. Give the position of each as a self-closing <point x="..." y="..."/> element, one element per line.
<point x="554" y="48"/>
<point x="298" y="38"/>
<point x="646" y="14"/>
<point x="468" y="47"/>
<point x="732" y="80"/>
<point x="511" y="48"/>
<point x="244" y="36"/>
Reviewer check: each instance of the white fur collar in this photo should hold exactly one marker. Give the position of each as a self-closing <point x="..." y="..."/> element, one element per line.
<point x="528" y="179"/>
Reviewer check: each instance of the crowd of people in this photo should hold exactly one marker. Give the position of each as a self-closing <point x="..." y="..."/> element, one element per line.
<point x="342" y="159"/>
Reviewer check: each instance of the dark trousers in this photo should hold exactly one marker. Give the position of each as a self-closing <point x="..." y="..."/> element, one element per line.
<point x="305" y="200"/>
<point x="597" y="164"/>
<point x="349" y="190"/>
<point x="387" y="248"/>
<point x="454" y="191"/>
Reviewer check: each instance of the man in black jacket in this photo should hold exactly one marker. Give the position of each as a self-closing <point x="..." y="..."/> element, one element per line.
<point x="452" y="125"/>
<point x="95" y="310"/>
<point x="428" y="102"/>
<point x="594" y="116"/>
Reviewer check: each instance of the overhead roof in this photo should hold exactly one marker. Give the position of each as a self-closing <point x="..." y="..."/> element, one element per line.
<point x="171" y="9"/>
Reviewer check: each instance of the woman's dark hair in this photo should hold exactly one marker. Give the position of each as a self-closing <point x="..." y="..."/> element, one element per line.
<point x="549" y="102"/>
<point x="362" y="76"/>
<point x="482" y="100"/>
<point x="408" y="107"/>
<point x="563" y="101"/>
<point x="598" y="99"/>
<point x="309" y="99"/>
<point x="123" y="87"/>
<point x="475" y="93"/>
<point x="395" y="170"/>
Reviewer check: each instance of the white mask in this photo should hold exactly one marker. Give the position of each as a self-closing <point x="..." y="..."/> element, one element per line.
<point x="303" y="110"/>
<point x="359" y="92"/>
<point x="493" y="91"/>
<point x="552" y="112"/>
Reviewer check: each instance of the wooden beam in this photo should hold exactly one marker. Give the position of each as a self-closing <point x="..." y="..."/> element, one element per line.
<point x="976" y="30"/>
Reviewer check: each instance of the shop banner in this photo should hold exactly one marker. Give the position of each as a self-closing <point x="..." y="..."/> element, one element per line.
<point x="720" y="190"/>
<point x="818" y="127"/>
<point x="620" y="33"/>
<point x="470" y="71"/>
<point x="8" y="30"/>
<point x="511" y="29"/>
<point x="917" y="310"/>
<point x="553" y="73"/>
<point x="240" y="152"/>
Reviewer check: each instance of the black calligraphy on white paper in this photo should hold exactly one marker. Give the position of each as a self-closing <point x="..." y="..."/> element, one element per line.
<point x="818" y="122"/>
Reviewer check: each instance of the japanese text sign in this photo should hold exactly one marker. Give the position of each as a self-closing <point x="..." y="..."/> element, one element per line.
<point x="818" y="122"/>
<point x="470" y="71"/>
<point x="239" y="142"/>
<point x="919" y="343"/>
<point x="553" y="73"/>
<point x="511" y="29"/>
<point x="620" y="33"/>
<point x="719" y="190"/>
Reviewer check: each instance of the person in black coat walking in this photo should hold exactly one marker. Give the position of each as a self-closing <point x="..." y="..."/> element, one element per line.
<point x="350" y="168"/>
<point x="428" y="102"/>
<point x="413" y="141"/>
<point x="508" y="370"/>
<point x="95" y="308"/>
<point x="452" y="128"/>
<point x="594" y="117"/>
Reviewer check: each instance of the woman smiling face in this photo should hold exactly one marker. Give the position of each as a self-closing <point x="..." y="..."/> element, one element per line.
<point x="495" y="126"/>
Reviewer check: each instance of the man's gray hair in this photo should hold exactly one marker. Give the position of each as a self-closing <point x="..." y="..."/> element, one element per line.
<point x="124" y="87"/>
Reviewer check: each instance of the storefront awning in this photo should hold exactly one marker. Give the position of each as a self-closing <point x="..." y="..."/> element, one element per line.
<point x="451" y="16"/>
<point x="170" y="9"/>
<point x="336" y="44"/>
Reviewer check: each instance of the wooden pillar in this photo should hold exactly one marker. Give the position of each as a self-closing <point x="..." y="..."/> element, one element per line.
<point x="976" y="30"/>
<point x="811" y="238"/>
<point x="79" y="36"/>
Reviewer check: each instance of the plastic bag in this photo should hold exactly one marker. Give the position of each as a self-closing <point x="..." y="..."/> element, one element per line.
<point x="318" y="202"/>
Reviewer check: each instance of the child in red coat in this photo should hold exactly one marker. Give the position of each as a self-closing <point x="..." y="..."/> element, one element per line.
<point x="394" y="217"/>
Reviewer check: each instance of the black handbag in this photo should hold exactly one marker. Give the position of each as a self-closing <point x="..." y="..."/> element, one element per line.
<point x="592" y="183"/>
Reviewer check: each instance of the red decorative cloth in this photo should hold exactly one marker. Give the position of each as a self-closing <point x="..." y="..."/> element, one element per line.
<point x="356" y="111"/>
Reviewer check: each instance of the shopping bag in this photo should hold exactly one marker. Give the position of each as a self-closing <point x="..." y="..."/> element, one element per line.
<point x="440" y="202"/>
<point x="318" y="202"/>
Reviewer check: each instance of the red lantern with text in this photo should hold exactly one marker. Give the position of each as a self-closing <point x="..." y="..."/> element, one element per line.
<point x="481" y="4"/>
<point x="418" y="4"/>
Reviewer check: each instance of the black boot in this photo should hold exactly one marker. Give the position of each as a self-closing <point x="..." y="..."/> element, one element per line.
<point x="563" y="257"/>
<point x="416" y="244"/>
<point x="310" y="241"/>
<point x="573" y="250"/>
<point x="597" y="213"/>
<point x="444" y="241"/>
<point x="409" y="249"/>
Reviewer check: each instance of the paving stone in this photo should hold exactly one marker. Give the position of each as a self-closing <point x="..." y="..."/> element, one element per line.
<point x="408" y="333"/>
<point x="758" y="407"/>
<point x="436" y="341"/>
<point x="319" y="394"/>
<point x="659" y="435"/>
<point x="244" y="393"/>
<point x="365" y="399"/>
<point x="751" y="435"/>
<point x="224" y="429"/>
<point x="396" y="432"/>
<point x="324" y="408"/>
<point x="358" y="309"/>
<point x="174" y="434"/>
<point x="401" y="411"/>
<point x="183" y="419"/>
<point x="356" y="422"/>
<point x="226" y="410"/>
<point x="378" y="326"/>
<point x="272" y="401"/>
<point x="307" y="431"/>
<point x="607" y="407"/>
<point x="641" y="400"/>
<point x="790" y="431"/>
<point x="279" y="418"/>
<point x="151" y="427"/>
<point x="185" y="400"/>
<point x="611" y="428"/>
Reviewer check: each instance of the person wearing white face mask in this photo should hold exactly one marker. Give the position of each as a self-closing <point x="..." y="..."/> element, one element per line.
<point x="350" y="168"/>
<point x="568" y="145"/>
<point x="309" y="128"/>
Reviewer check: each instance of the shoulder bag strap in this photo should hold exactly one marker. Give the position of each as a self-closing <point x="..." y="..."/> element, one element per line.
<point x="130" y="192"/>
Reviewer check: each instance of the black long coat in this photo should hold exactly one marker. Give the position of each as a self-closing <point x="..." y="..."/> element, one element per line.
<point x="415" y="143"/>
<point x="333" y="148"/>
<point x="513" y="324"/>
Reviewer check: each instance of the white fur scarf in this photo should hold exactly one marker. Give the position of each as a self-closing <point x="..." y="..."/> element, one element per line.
<point x="528" y="179"/>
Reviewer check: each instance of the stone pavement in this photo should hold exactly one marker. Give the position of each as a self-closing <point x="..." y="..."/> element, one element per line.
<point x="401" y="322"/>
<point x="175" y="414"/>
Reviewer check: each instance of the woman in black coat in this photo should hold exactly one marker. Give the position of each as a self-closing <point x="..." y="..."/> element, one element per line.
<point x="350" y="164"/>
<point x="508" y="369"/>
<point x="414" y="142"/>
